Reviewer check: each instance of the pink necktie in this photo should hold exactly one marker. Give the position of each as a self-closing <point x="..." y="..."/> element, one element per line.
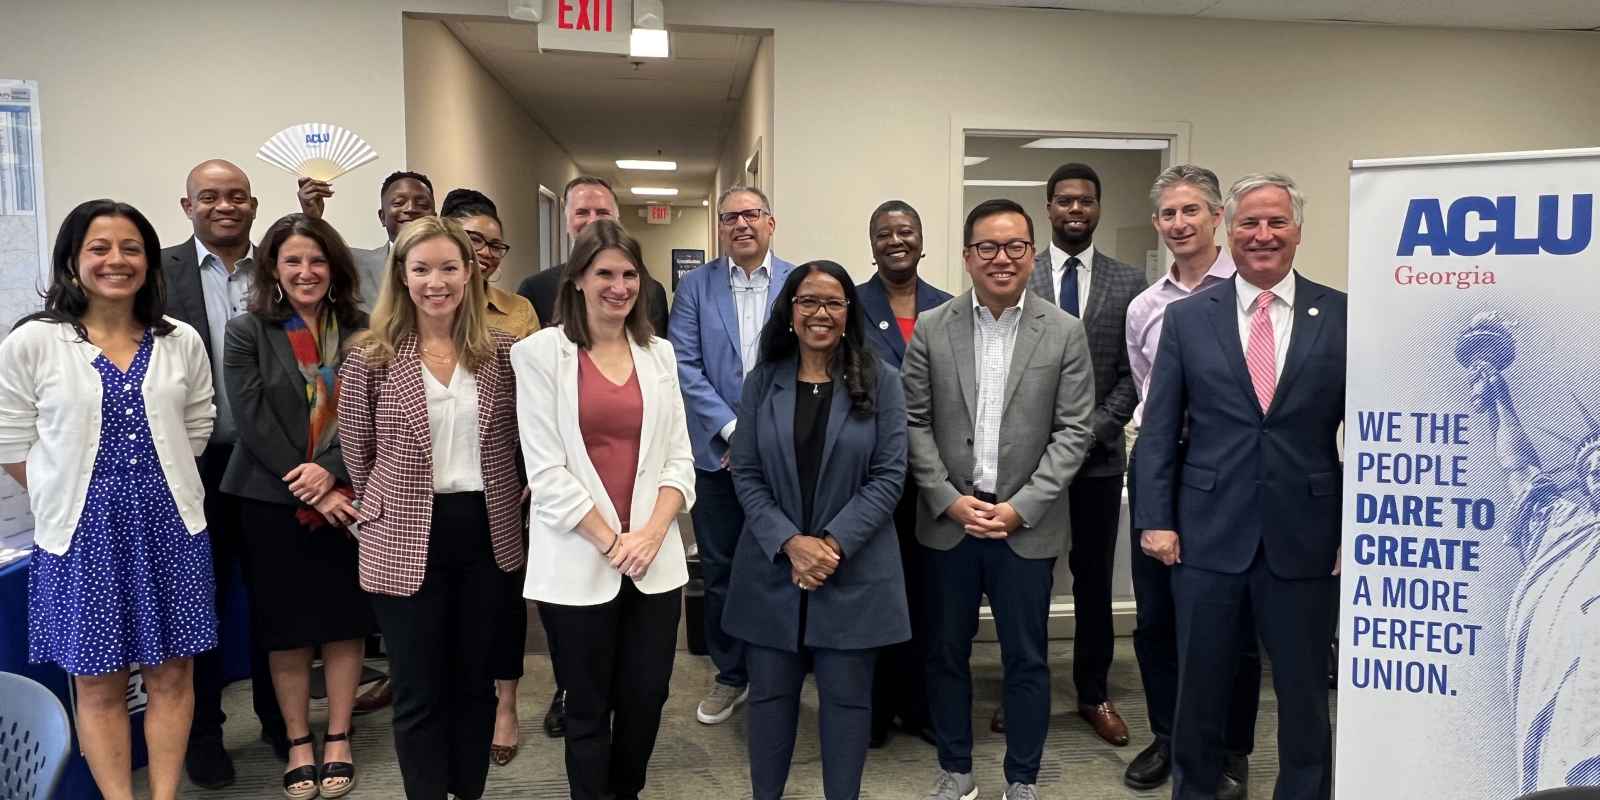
<point x="1262" y="355"/>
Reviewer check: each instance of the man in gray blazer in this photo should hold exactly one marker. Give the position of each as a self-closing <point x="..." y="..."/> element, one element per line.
<point x="403" y="197"/>
<point x="999" y="394"/>
<point x="1096" y="288"/>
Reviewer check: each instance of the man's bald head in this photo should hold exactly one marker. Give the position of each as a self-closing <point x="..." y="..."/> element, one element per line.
<point x="218" y="202"/>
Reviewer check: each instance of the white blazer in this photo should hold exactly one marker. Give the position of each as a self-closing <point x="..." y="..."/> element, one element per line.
<point x="50" y="396"/>
<point x="563" y="567"/>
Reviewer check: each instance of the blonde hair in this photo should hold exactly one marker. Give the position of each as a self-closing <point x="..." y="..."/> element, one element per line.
<point x="395" y="315"/>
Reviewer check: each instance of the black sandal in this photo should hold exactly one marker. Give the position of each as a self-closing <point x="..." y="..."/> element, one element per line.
<point x="306" y="774"/>
<point x="336" y="770"/>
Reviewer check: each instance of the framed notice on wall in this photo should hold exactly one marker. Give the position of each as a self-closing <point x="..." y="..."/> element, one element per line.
<point x="23" y="263"/>
<point x="683" y="261"/>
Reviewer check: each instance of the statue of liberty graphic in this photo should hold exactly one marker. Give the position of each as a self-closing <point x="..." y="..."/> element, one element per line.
<point x="1553" y="623"/>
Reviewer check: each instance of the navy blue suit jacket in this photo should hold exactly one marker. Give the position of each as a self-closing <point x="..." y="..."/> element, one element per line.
<point x="883" y="331"/>
<point x="863" y="604"/>
<point x="1245" y="480"/>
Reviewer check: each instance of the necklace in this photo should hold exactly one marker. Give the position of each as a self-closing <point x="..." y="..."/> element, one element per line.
<point x="435" y="356"/>
<point x="816" y="388"/>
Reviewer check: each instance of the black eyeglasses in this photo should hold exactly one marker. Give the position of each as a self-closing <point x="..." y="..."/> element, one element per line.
<point x="1015" y="249"/>
<point x="497" y="247"/>
<point x="750" y="215"/>
<point x="809" y="305"/>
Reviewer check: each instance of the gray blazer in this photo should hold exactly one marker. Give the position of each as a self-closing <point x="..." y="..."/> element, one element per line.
<point x="1045" y="430"/>
<point x="370" y="269"/>
<point x="1105" y="316"/>
<point x="268" y="397"/>
<point x="863" y="605"/>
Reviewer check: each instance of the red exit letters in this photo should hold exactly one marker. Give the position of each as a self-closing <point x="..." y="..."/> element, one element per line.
<point x="592" y="15"/>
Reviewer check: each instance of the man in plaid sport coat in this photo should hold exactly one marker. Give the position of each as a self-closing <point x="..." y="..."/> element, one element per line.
<point x="1096" y="288"/>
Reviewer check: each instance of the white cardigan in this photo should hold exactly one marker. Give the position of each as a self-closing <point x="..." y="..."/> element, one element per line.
<point x="50" y="417"/>
<point x="563" y="567"/>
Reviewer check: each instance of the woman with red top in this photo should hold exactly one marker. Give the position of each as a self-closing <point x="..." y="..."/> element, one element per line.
<point x="891" y="301"/>
<point x="607" y="453"/>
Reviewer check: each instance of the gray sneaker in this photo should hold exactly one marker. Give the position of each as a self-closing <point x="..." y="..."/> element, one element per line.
<point x="953" y="786"/>
<point x="719" y="705"/>
<point x="1021" y="791"/>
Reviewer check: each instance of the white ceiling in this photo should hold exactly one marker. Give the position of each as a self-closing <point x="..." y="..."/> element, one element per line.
<point x="602" y="108"/>
<point x="1519" y="15"/>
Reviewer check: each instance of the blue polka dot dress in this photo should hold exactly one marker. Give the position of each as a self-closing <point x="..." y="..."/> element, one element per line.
<point x="134" y="586"/>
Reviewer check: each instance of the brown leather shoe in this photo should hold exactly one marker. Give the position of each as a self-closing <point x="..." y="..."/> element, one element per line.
<point x="997" y="723"/>
<point x="1106" y="722"/>
<point x="374" y="697"/>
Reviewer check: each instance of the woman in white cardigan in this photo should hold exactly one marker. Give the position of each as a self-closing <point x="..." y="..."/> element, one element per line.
<point x="609" y="466"/>
<point x="104" y="405"/>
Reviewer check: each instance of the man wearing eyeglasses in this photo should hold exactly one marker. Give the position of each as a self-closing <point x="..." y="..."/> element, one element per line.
<point x="717" y="315"/>
<point x="999" y="396"/>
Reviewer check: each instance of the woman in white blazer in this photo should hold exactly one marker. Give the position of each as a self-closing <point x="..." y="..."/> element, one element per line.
<point x="609" y="467"/>
<point x="104" y="405"/>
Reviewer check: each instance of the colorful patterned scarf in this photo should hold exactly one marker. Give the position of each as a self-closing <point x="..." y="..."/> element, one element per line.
<point x="318" y="357"/>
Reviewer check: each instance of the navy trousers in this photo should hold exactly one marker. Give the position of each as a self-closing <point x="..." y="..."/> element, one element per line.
<point x="718" y="521"/>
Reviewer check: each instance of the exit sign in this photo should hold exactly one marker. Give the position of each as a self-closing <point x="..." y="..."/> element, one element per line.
<point x="587" y="26"/>
<point x="659" y="215"/>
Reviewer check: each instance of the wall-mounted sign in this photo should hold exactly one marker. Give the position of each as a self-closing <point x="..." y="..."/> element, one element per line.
<point x="683" y="261"/>
<point x="587" y="26"/>
<point x="658" y="215"/>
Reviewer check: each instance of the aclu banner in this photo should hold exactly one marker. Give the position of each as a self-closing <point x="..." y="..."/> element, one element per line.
<point x="1469" y="658"/>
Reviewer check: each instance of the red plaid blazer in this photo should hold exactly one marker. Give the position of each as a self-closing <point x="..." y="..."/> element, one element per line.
<point x="383" y="428"/>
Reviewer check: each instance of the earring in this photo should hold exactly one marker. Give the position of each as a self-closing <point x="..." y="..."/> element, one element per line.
<point x="73" y="280"/>
<point x="277" y="291"/>
<point x="332" y="298"/>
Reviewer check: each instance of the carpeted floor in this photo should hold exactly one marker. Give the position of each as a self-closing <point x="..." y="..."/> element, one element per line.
<point x="699" y="762"/>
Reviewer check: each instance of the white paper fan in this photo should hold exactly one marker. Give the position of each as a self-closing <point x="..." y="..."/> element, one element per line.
<point x="316" y="150"/>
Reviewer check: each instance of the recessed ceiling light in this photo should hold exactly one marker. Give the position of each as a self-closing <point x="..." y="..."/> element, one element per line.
<point x="648" y="43"/>
<point x="1004" y="183"/>
<point x="705" y="203"/>
<point x="658" y="191"/>
<point x="973" y="161"/>
<point x="1095" y="143"/>
<point x="659" y="166"/>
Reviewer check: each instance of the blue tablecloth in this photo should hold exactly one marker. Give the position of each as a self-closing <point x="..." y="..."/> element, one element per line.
<point x="77" y="783"/>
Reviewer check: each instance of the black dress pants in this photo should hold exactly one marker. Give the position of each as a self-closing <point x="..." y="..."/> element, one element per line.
<point x="900" y="680"/>
<point x="222" y="525"/>
<point x="1096" y="508"/>
<point x="439" y="642"/>
<point x="615" y="663"/>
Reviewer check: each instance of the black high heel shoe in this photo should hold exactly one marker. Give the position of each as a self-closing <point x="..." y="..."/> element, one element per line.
<point x="337" y="770"/>
<point x="301" y="775"/>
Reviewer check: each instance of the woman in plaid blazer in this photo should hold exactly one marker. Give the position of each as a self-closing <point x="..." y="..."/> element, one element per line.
<point x="427" y="420"/>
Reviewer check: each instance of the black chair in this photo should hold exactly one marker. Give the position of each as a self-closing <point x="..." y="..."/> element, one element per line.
<point x="35" y="739"/>
<point x="1569" y="793"/>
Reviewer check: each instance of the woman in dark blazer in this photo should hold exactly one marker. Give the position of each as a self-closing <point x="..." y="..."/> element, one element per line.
<point x="818" y="465"/>
<point x="891" y="300"/>
<point x="280" y="365"/>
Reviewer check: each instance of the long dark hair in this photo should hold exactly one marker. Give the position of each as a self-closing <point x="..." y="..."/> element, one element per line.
<point x="65" y="301"/>
<point x="853" y="358"/>
<point x="268" y="301"/>
<point x="596" y="238"/>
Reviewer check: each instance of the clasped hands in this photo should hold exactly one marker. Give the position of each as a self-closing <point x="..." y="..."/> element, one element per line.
<point x="635" y="551"/>
<point x="313" y="485"/>
<point x="984" y="520"/>
<point x="812" y="560"/>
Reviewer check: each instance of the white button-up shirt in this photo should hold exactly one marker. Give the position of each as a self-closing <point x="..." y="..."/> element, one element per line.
<point x="1058" y="271"/>
<point x="453" y="430"/>
<point x="993" y="342"/>
<point x="1281" y="311"/>
<point x="227" y="296"/>
<point x="750" y="306"/>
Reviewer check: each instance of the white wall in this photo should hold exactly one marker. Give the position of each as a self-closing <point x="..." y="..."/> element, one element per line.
<point x="686" y="232"/>
<point x="464" y="130"/>
<point x="752" y="128"/>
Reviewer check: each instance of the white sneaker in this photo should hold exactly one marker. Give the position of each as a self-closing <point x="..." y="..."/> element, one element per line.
<point x="953" y="786"/>
<point x="1021" y="791"/>
<point x="719" y="705"/>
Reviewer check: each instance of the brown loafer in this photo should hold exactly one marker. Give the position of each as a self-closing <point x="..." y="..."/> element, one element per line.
<point x="997" y="723"/>
<point x="1107" y="723"/>
<point x="379" y="695"/>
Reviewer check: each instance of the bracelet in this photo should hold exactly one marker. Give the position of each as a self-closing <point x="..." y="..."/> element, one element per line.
<point x="615" y="537"/>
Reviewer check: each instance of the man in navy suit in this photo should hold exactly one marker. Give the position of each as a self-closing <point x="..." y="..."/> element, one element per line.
<point x="1239" y="480"/>
<point x="715" y="328"/>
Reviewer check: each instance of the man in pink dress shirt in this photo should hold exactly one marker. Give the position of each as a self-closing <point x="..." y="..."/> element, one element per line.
<point x="1188" y="207"/>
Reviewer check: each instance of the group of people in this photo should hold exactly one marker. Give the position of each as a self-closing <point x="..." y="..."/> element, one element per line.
<point x="386" y="442"/>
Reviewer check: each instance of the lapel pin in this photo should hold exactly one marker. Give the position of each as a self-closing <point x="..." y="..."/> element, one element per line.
<point x="1313" y="311"/>
<point x="883" y="325"/>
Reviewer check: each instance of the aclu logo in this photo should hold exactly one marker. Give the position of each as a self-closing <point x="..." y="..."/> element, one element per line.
<point x="318" y="138"/>
<point x="1452" y="231"/>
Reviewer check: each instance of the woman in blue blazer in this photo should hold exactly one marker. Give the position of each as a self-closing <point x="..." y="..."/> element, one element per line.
<point x="891" y="301"/>
<point x="817" y="585"/>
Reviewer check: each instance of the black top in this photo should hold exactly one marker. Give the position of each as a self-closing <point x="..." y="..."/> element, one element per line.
<point x="811" y="406"/>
